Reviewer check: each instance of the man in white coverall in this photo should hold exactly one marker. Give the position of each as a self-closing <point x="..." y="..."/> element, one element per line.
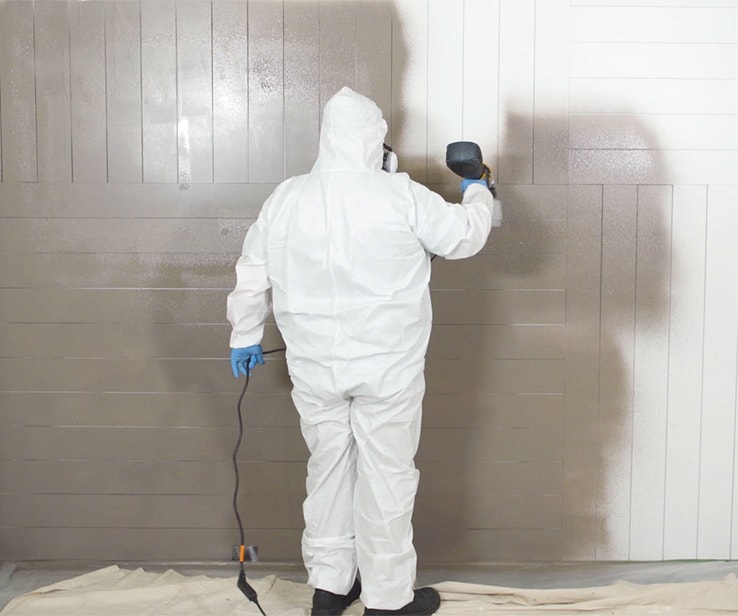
<point x="345" y="251"/>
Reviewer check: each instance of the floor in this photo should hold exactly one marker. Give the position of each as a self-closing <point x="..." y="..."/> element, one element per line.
<point x="19" y="578"/>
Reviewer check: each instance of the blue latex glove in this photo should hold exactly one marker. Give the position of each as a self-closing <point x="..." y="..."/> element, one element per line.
<point x="466" y="183"/>
<point x="243" y="360"/>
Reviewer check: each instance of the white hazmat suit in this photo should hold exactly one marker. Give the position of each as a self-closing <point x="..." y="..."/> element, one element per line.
<point x="345" y="251"/>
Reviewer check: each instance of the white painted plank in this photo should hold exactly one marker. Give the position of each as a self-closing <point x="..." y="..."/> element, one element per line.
<point x="717" y="464"/>
<point x="647" y="3"/>
<point x="656" y="61"/>
<point x="89" y="129"/>
<point x="656" y="96"/>
<point x="551" y="100"/>
<point x="266" y="92"/>
<point x="374" y="56"/>
<point x="480" y="99"/>
<point x="580" y="523"/>
<point x="52" y="91"/>
<point x="694" y="24"/>
<point x="159" y="90"/>
<point x="18" y="92"/>
<point x="617" y="339"/>
<point x="445" y="81"/>
<point x="685" y="372"/>
<point x="651" y="365"/>
<point x="230" y="92"/>
<point x="123" y="87"/>
<point x="649" y="166"/>
<point x="194" y="91"/>
<point x="337" y="47"/>
<point x="410" y="86"/>
<point x="517" y="57"/>
<point x="670" y="132"/>
<point x="301" y="86"/>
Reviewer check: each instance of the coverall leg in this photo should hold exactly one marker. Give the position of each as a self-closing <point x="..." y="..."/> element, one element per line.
<point x="387" y="431"/>
<point x="328" y="547"/>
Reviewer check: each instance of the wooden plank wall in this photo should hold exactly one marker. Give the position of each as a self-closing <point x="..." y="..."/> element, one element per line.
<point x="582" y="370"/>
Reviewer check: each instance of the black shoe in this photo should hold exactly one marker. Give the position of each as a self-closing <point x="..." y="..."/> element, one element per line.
<point x="426" y="602"/>
<point x="330" y="604"/>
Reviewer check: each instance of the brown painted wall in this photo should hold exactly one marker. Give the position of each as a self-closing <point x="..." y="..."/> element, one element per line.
<point x="138" y="141"/>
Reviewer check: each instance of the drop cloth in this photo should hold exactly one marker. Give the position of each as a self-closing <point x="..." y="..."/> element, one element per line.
<point x="113" y="591"/>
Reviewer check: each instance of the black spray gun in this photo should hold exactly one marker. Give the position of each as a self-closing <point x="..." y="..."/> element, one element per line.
<point x="465" y="159"/>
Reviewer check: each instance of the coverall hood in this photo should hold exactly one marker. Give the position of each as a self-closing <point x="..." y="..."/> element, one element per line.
<point x="352" y="133"/>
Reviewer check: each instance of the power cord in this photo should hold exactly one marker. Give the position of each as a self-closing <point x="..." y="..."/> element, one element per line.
<point x="243" y="584"/>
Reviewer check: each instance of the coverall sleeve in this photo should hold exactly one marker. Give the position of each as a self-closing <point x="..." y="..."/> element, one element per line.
<point x="249" y="304"/>
<point x="455" y="230"/>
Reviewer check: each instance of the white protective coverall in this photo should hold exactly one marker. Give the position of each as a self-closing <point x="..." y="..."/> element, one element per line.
<point x="345" y="251"/>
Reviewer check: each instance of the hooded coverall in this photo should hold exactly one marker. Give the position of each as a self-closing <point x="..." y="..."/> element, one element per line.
<point x="345" y="252"/>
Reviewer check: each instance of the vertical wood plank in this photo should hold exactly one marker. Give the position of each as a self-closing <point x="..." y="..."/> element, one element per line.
<point x="123" y="59"/>
<point x="89" y="118"/>
<point x="445" y="82"/>
<point x="580" y="465"/>
<point x="480" y="95"/>
<point x="517" y="70"/>
<point x="617" y="340"/>
<point x="681" y="492"/>
<point x="719" y="379"/>
<point x="651" y="367"/>
<point x="230" y="91"/>
<point x="301" y="85"/>
<point x="52" y="91"/>
<point x="159" y="90"/>
<point x="374" y="56"/>
<point x="266" y="92"/>
<point x="18" y="92"/>
<point x="551" y="99"/>
<point x="410" y="86"/>
<point x="337" y="47"/>
<point x="194" y="91"/>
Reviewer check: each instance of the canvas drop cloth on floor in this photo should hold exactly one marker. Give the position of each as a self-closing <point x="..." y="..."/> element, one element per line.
<point x="113" y="591"/>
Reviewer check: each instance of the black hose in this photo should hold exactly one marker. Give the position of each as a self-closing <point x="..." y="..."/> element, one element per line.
<point x="243" y="584"/>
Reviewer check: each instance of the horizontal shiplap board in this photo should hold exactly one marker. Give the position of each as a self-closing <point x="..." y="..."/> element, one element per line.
<point x="207" y="306"/>
<point x="665" y="132"/>
<point x="502" y="270"/>
<point x="511" y="307"/>
<point x="107" y="270"/>
<point x="656" y="61"/>
<point x="151" y="443"/>
<point x="652" y="166"/>
<point x="122" y="235"/>
<point x="450" y="544"/>
<point x="487" y="342"/>
<point x="129" y="340"/>
<point x="173" y="409"/>
<point x="454" y="477"/>
<point x="157" y="478"/>
<point x="498" y="269"/>
<point x="666" y="3"/>
<point x="119" y="201"/>
<point x="690" y="24"/>
<point x="147" y="235"/>
<point x="279" y="509"/>
<point x="146" y="544"/>
<point x="495" y="511"/>
<point x="132" y="375"/>
<point x="474" y="409"/>
<point x="492" y="444"/>
<point x="105" y="340"/>
<point x="654" y="96"/>
<point x="113" y="306"/>
<point x="203" y="376"/>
